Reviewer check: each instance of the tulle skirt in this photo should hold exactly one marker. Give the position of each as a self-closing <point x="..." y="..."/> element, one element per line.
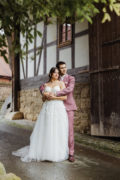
<point x="49" y="139"/>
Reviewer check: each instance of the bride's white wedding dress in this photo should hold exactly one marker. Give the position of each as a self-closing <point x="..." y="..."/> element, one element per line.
<point x="49" y="139"/>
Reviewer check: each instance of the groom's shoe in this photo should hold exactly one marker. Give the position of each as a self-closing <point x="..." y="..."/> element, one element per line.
<point x="71" y="158"/>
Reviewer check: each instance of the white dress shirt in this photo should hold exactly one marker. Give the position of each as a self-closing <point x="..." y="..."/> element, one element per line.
<point x="62" y="77"/>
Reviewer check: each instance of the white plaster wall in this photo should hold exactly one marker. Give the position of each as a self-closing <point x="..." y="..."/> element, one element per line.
<point x="81" y="51"/>
<point x="51" y="57"/>
<point x="65" y="55"/>
<point x="51" y="31"/>
<point x="81" y="26"/>
<point x="41" y="63"/>
<point x="40" y="27"/>
<point x="30" y="65"/>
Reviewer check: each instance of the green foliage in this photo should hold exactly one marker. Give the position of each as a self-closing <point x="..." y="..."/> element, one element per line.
<point x="25" y="14"/>
<point x="2" y="169"/>
<point x="113" y="5"/>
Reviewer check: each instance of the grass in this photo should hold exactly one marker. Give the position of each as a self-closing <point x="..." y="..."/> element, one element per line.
<point x="12" y="123"/>
<point x="19" y="125"/>
<point x="99" y="145"/>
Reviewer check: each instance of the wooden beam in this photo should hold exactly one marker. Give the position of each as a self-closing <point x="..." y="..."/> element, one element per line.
<point x="57" y="36"/>
<point x="73" y="46"/>
<point x="53" y="43"/>
<point x="35" y="28"/>
<point x="82" y="33"/>
<point x="45" y="51"/>
<point x="81" y="76"/>
<point x="26" y="59"/>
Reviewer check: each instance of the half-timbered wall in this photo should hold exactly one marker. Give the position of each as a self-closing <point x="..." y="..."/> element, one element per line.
<point x="75" y="55"/>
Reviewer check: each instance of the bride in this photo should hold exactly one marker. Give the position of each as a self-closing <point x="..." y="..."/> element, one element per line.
<point x="49" y="139"/>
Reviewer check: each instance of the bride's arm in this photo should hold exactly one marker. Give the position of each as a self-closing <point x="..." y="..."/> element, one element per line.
<point x="62" y="86"/>
<point x="59" y="98"/>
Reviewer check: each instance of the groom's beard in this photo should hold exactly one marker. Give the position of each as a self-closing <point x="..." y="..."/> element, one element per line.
<point x="62" y="74"/>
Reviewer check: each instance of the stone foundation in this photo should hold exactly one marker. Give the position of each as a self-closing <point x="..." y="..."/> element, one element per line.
<point x="31" y="103"/>
<point x="82" y="115"/>
<point x="5" y="91"/>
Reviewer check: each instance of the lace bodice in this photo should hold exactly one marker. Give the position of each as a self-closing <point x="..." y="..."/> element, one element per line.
<point x="54" y="89"/>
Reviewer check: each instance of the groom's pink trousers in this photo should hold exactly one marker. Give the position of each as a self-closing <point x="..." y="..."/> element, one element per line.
<point x="71" y="132"/>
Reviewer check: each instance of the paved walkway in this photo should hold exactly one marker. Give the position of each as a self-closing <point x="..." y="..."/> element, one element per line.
<point x="89" y="164"/>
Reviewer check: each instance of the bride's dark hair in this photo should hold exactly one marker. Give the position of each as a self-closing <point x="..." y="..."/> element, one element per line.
<point x="52" y="70"/>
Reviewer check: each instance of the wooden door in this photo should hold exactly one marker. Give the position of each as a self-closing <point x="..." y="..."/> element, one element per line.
<point x="105" y="77"/>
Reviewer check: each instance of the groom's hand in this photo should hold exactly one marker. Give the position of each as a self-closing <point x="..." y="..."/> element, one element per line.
<point x="47" y="96"/>
<point x="51" y="96"/>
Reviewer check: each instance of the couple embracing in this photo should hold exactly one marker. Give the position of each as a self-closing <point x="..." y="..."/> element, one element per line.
<point x="52" y="138"/>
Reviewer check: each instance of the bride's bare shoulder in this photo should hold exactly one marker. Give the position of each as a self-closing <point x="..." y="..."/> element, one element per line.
<point x="46" y="84"/>
<point x="61" y="84"/>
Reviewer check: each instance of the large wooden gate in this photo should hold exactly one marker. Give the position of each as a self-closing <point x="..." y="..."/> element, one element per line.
<point x="105" y="77"/>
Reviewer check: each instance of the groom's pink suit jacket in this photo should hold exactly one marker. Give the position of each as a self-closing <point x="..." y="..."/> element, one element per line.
<point x="69" y="84"/>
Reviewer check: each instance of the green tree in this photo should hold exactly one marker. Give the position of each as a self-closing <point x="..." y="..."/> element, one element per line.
<point x="20" y="16"/>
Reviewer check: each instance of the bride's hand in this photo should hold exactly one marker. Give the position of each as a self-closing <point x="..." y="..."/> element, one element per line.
<point x="51" y="97"/>
<point x="46" y="94"/>
<point x="50" y="94"/>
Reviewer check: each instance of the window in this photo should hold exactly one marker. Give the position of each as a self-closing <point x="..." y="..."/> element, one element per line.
<point x="65" y="34"/>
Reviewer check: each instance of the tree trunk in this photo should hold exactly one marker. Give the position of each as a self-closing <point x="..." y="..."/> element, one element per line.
<point x="14" y="41"/>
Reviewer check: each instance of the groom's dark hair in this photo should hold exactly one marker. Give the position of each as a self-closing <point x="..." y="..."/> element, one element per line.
<point x="60" y="63"/>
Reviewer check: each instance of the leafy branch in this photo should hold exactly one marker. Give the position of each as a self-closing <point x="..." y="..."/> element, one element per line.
<point x="25" y="14"/>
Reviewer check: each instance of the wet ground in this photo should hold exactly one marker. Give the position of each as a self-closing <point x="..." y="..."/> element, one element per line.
<point x="89" y="164"/>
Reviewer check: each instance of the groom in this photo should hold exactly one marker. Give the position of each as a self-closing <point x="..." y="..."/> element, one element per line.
<point x="69" y="103"/>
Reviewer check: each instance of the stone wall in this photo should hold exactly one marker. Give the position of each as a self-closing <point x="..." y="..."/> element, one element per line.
<point x="5" y="91"/>
<point x="31" y="103"/>
<point x="82" y="115"/>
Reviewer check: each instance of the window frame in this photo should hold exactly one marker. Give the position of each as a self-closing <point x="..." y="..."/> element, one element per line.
<point x="60" y="33"/>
